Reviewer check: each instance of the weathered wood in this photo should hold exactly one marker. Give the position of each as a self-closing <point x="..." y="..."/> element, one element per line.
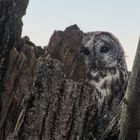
<point x="11" y="13"/>
<point x="130" y="117"/>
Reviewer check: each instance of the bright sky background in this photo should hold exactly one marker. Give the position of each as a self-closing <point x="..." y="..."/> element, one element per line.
<point x="121" y="17"/>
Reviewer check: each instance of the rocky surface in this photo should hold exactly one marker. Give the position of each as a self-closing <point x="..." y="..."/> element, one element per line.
<point x="44" y="94"/>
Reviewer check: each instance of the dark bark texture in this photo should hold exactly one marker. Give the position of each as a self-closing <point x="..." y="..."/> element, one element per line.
<point x="11" y="13"/>
<point x="44" y="94"/>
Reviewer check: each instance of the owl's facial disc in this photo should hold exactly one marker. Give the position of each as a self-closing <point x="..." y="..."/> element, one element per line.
<point x="106" y="51"/>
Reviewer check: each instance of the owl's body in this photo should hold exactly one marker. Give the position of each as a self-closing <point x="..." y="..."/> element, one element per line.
<point x="107" y="74"/>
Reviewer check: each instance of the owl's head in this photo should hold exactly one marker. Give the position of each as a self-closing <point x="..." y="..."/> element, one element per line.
<point x="102" y="50"/>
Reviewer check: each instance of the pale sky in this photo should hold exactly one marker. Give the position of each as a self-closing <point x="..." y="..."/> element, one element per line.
<point x="121" y="17"/>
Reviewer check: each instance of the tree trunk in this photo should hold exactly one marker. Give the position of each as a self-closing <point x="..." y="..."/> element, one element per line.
<point x="11" y="13"/>
<point x="130" y="117"/>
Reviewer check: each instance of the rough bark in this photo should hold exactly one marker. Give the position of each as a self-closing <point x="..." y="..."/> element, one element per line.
<point x="65" y="46"/>
<point x="11" y="13"/>
<point x="130" y="117"/>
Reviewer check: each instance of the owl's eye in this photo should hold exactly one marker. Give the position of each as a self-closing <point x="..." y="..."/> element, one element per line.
<point x="84" y="51"/>
<point x="104" y="49"/>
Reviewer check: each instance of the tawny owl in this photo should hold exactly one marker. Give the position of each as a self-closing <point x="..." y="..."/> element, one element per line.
<point x="107" y="73"/>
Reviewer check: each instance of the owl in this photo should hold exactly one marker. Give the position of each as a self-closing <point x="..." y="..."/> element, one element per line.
<point x="107" y="74"/>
